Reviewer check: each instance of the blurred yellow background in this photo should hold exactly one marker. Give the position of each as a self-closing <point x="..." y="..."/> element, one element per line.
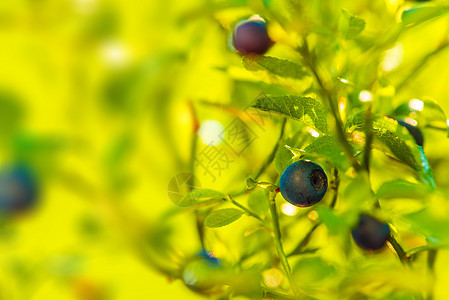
<point x="102" y="94"/>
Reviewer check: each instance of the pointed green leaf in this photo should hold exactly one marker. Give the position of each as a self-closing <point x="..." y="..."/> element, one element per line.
<point x="223" y="217"/>
<point x="283" y="156"/>
<point x="351" y="26"/>
<point x="307" y="110"/>
<point x="395" y="137"/>
<point x="422" y="14"/>
<point x="199" y="195"/>
<point x="276" y="66"/>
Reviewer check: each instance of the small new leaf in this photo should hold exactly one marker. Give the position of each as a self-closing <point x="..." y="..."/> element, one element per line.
<point x="223" y="217"/>
<point x="307" y="110"/>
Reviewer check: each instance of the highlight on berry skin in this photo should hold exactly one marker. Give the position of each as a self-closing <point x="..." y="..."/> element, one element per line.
<point x="250" y="37"/>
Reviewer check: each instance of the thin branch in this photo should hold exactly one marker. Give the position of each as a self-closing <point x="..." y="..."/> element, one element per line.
<point x="328" y="98"/>
<point x="277" y="238"/>
<point x="443" y="45"/>
<point x="399" y="250"/>
<point x="249" y="212"/>
<point x="193" y="147"/>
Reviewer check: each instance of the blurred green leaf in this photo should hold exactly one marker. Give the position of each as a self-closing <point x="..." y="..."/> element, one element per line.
<point x="283" y="156"/>
<point x="307" y="110"/>
<point x="311" y="273"/>
<point x="258" y="203"/>
<point x="334" y="223"/>
<point x="11" y="112"/>
<point x="432" y="222"/>
<point x="199" y="195"/>
<point x="402" y="189"/>
<point x="223" y="217"/>
<point x="422" y="14"/>
<point x="351" y="26"/>
<point x="276" y="66"/>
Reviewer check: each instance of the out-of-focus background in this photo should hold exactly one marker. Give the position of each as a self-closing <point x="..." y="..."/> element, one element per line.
<point x="99" y="100"/>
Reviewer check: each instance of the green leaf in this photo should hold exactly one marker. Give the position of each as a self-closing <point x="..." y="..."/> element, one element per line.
<point x="328" y="147"/>
<point x="198" y="195"/>
<point x="276" y="66"/>
<point x="398" y="146"/>
<point x="431" y="116"/>
<point x="422" y="14"/>
<point x="402" y="189"/>
<point x="223" y="217"/>
<point x="283" y="156"/>
<point x="307" y="110"/>
<point x="432" y="222"/>
<point x="395" y="137"/>
<point x="351" y="26"/>
<point x="258" y="203"/>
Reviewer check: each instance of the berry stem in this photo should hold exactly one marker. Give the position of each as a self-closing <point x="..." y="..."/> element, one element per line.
<point x="277" y="238"/>
<point x="399" y="250"/>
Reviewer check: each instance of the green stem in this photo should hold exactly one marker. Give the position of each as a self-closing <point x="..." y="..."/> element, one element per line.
<point x="193" y="147"/>
<point x="328" y="98"/>
<point x="443" y="45"/>
<point x="399" y="250"/>
<point x="272" y="155"/>
<point x="369" y="139"/>
<point x="249" y="212"/>
<point x="277" y="237"/>
<point x="304" y="241"/>
<point x="269" y="160"/>
<point x="335" y="186"/>
<point x="431" y="258"/>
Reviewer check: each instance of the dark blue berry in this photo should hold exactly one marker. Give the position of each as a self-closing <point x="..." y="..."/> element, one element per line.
<point x="303" y="183"/>
<point x="18" y="189"/>
<point x="414" y="131"/>
<point x="370" y="234"/>
<point x="251" y="37"/>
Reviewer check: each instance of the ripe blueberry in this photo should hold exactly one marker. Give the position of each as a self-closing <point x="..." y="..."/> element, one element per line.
<point x="303" y="183"/>
<point x="414" y="131"/>
<point x="370" y="234"/>
<point x="18" y="189"/>
<point x="251" y="37"/>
